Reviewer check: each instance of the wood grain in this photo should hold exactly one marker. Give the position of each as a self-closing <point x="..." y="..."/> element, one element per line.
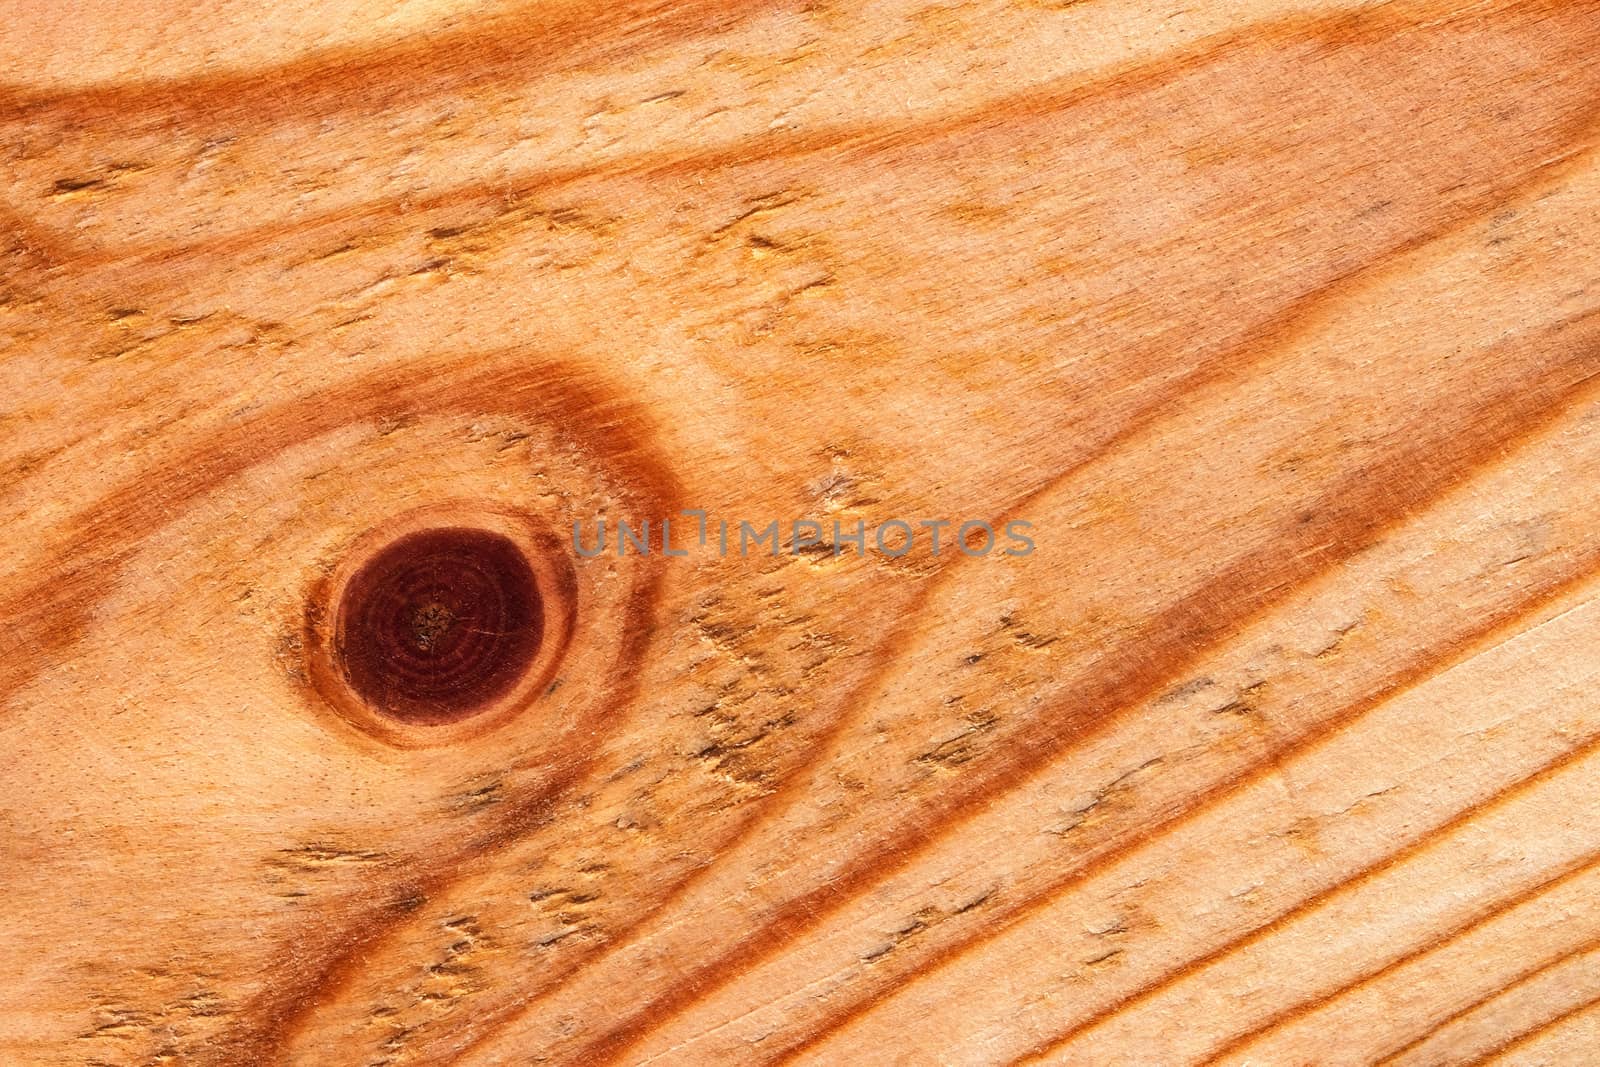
<point x="1278" y="320"/>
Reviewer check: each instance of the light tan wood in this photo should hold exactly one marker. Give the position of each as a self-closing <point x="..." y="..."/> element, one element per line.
<point x="1279" y="321"/>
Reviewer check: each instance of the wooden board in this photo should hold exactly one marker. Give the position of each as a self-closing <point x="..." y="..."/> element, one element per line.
<point x="1277" y="322"/>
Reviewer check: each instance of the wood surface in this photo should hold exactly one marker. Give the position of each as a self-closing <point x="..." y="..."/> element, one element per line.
<point x="1279" y="320"/>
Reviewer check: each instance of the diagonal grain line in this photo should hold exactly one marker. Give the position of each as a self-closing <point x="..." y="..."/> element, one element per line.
<point x="1071" y="90"/>
<point x="1349" y="519"/>
<point x="493" y="49"/>
<point x="1522" y="979"/>
<point x="1449" y="656"/>
<point x="1257" y="349"/>
<point x="1415" y="847"/>
<point x="1251" y="350"/>
<point x="1245" y="353"/>
<point x="1519" y="1040"/>
<point x="1575" y="869"/>
<point x="842" y="140"/>
<point x="1424" y="239"/>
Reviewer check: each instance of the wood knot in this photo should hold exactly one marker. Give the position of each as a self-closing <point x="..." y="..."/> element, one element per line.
<point x="450" y="617"/>
<point x="439" y="624"/>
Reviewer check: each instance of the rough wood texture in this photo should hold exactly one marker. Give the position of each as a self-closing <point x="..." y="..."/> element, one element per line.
<point x="1278" y="319"/>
